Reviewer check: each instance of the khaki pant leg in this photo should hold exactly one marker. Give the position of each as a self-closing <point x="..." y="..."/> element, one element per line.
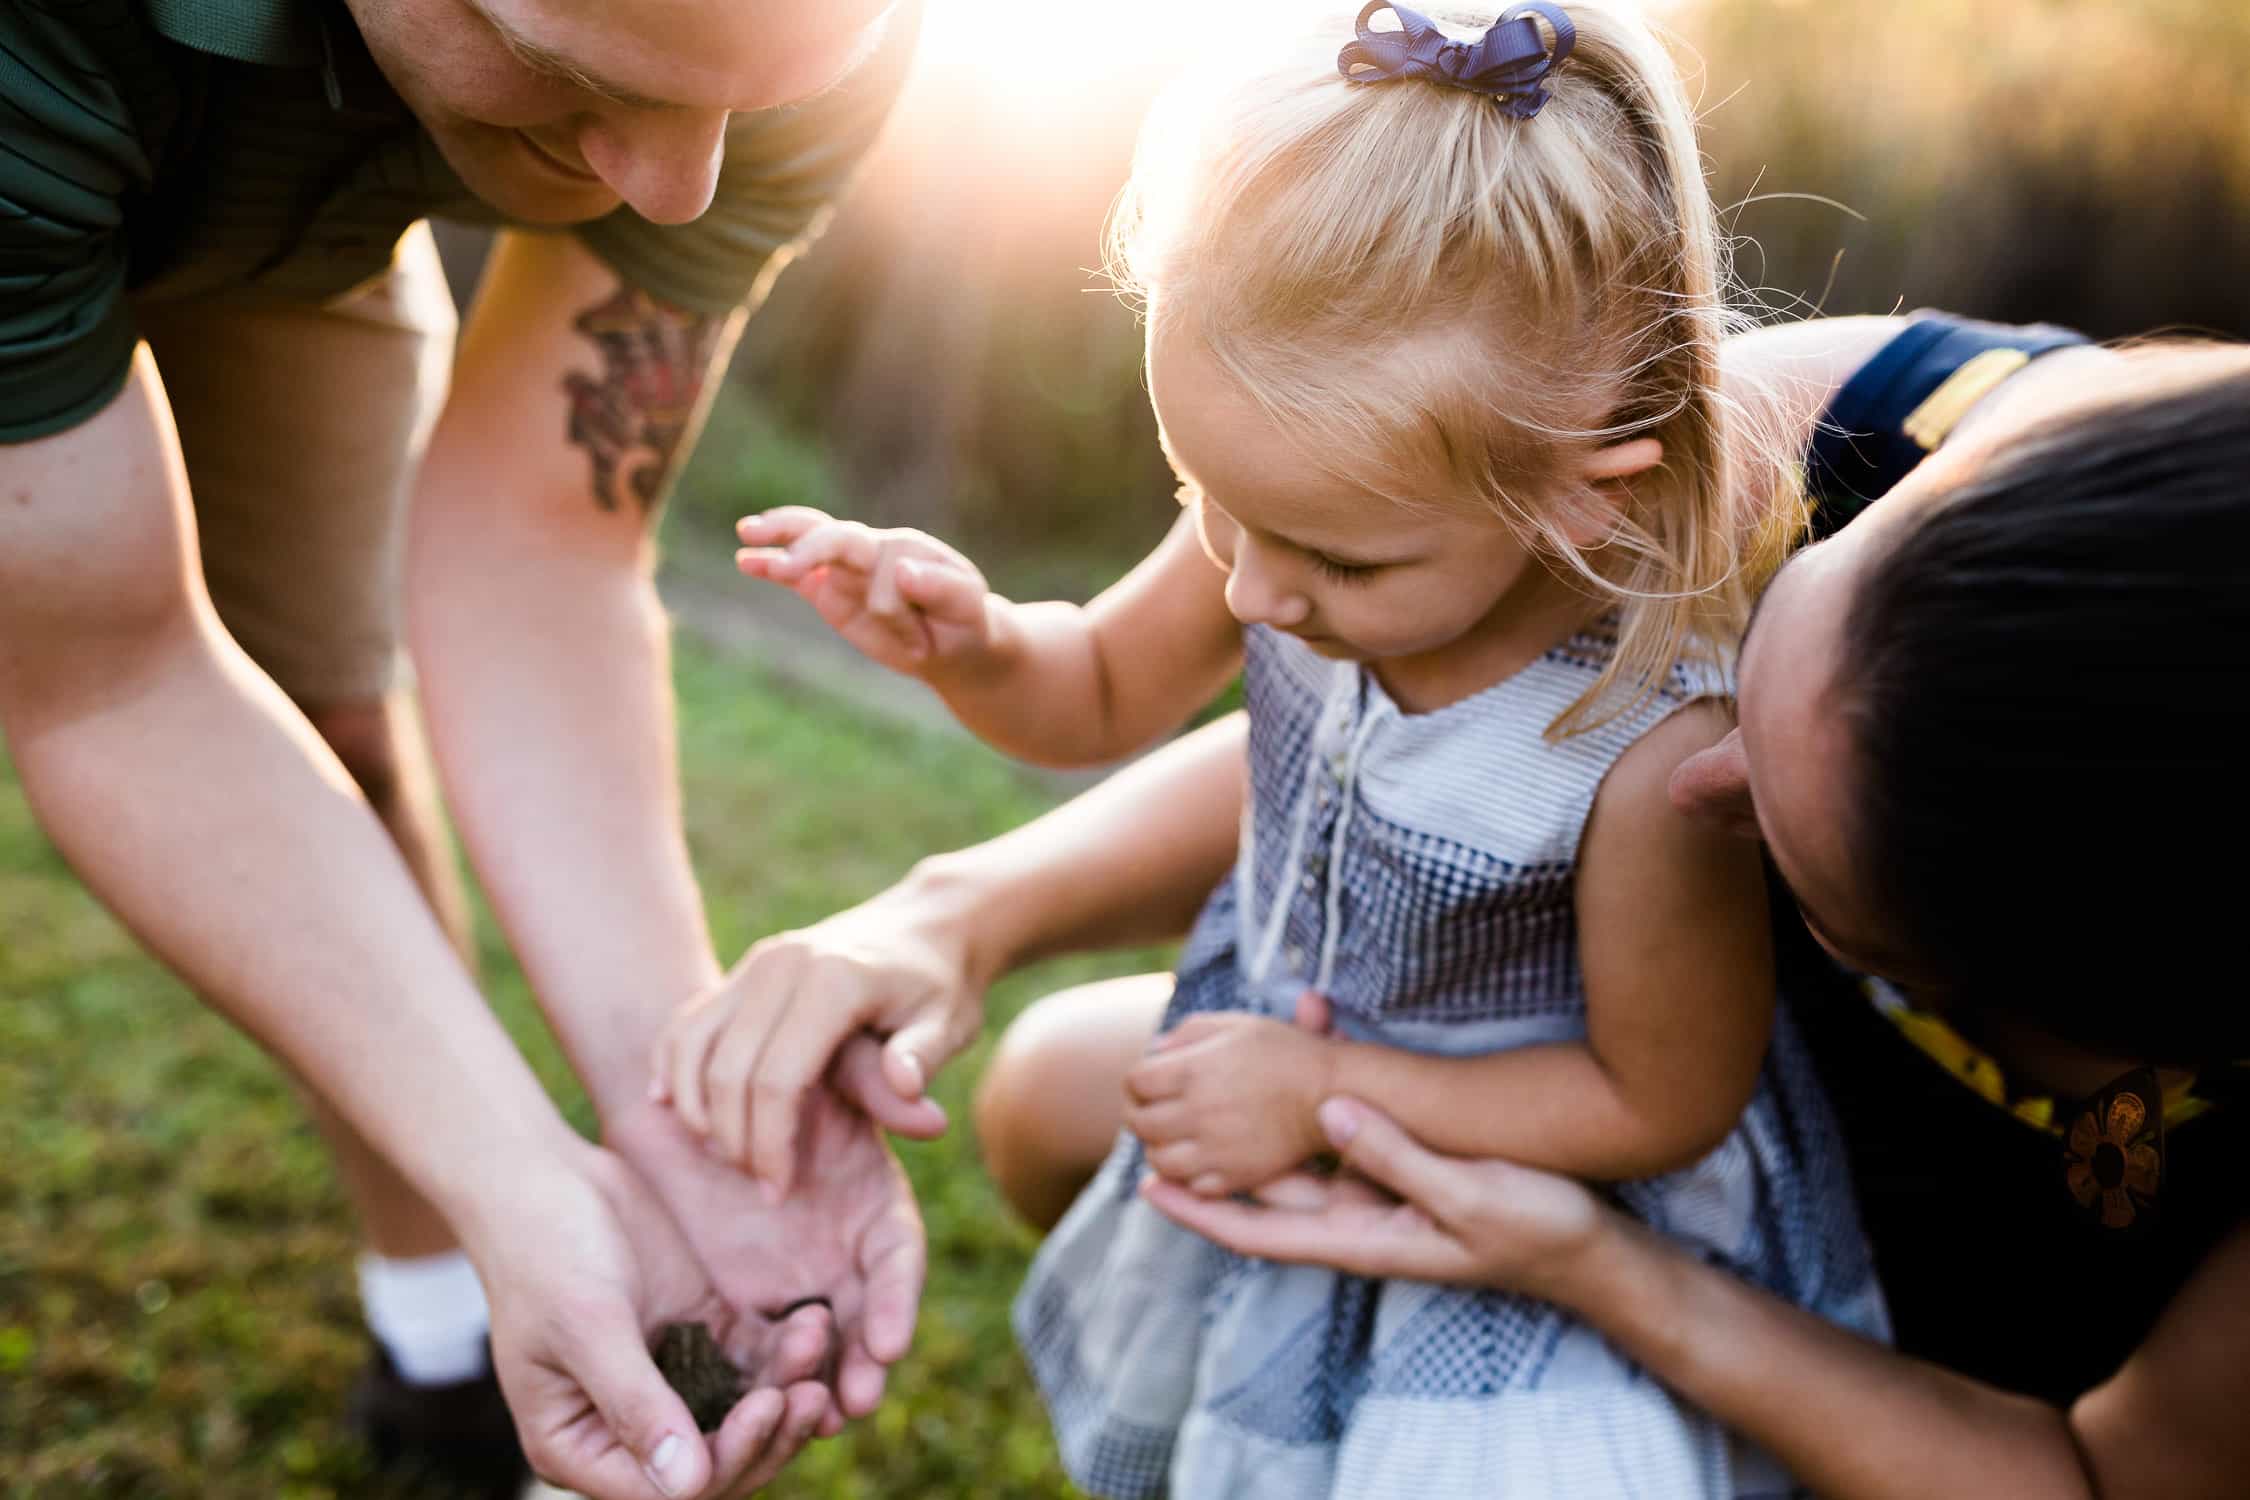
<point x="303" y="427"/>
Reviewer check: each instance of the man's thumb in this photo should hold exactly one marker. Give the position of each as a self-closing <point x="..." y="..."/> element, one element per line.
<point x="866" y="1076"/>
<point x="1373" y="1145"/>
<point x="643" y="1413"/>
<point x="915" y="1052"/>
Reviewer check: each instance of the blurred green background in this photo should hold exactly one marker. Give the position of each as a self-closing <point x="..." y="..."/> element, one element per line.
<point x="176" y="1312"/>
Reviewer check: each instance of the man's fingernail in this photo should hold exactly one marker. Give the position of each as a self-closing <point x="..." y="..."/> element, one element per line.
<point x="1340" y="1120"/>
<point x="664" y="1466"/>
<point x="913" y="1065"/>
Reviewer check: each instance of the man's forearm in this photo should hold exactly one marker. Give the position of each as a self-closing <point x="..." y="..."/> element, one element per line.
<point x="546" y="677"/>
<point x="203" y="810"/>
<point x="543" y="653"/>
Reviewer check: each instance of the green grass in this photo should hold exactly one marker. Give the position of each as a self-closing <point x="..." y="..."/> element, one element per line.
<point x="177" y="1314"/>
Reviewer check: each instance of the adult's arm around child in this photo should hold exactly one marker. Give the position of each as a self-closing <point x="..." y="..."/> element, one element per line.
<point x="1851" y="1419"/>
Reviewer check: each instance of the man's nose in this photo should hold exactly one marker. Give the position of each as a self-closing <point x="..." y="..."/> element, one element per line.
<point x="663" y="162"/>
<point x="1714" y="785"/>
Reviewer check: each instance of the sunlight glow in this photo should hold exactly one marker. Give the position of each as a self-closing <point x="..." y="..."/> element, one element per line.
<point x="1065" y="49"/>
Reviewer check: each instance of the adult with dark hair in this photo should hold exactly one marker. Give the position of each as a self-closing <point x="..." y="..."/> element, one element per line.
<point x="1986" y="731"/>
<point x="226" y="348"/>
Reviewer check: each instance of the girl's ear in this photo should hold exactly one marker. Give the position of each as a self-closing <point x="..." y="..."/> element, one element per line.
<point x="1605" y="474"/>
<point x="1623" y="460"/>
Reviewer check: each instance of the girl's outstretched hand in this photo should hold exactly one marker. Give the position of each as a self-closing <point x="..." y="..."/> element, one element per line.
<point x="902" y="598"/>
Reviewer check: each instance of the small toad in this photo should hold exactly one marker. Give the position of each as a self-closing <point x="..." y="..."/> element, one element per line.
<point x="694" y="1365"/>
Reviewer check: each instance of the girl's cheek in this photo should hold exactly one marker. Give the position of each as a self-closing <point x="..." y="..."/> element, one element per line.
<point x="1217" y="535"/>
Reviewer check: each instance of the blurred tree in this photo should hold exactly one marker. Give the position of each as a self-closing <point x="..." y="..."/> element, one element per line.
<point x="2074" y="161"/>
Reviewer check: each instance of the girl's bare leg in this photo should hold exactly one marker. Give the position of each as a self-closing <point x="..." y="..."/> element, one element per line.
<point x="1052" y="1098"/>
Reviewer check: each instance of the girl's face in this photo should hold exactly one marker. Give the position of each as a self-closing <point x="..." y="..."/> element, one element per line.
<point x="1353" y="574"/>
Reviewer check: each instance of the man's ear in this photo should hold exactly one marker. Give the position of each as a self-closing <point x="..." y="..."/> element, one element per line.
<point x="1606" y="472"/>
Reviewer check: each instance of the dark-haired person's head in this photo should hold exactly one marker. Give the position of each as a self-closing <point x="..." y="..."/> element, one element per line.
<point x="1993" y="732"/>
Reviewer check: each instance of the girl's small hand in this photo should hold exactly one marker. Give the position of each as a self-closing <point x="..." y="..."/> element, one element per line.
<point x="1226" y="1102"/>
<point x="902" y="598"/>
<point x="1468" y="1223"/>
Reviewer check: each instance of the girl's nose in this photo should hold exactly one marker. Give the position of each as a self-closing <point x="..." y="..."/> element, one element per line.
<point x="663" y="162"/>
<point x="1256" y="597"/>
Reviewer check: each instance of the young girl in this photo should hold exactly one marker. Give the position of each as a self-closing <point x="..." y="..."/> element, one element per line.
<point x="1432" y="341"/>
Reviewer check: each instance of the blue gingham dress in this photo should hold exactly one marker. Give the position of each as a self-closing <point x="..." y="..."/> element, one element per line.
<point x="1417" y="868"/>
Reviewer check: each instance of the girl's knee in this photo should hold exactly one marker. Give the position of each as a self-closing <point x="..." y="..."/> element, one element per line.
<point x="1050" y="1102"/>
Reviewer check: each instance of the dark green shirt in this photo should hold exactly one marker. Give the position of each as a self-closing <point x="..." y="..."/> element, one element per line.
<point x="174" y="148"/>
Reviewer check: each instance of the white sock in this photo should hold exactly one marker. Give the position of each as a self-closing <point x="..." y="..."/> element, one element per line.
<point x="430" y="1313"/>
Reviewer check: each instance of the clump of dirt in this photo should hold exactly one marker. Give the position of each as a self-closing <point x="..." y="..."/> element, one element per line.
<point x="694" y="1365"/>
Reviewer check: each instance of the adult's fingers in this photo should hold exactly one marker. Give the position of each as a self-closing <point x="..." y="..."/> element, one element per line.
<point x="927" y="1042"/>
<point x="1374" y="1145"/>
<point x="745" y="1439"/>
<point x="1301" y="1237"/>
<point x="805" y="1408"/>
<point x="862" y="1076"/>
<point x="1301" y="1192"/>
<point x="644" y="1442"/>
<point x="1314" y="1013"/>
<point x="893" y="1262"/>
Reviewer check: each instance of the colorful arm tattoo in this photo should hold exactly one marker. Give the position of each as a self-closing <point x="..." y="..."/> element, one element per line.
<point x="632" y="417"/>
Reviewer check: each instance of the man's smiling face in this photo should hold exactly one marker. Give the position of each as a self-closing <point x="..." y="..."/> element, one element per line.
<point x="558" y="111"/>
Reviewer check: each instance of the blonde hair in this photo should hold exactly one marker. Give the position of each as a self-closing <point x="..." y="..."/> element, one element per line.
<point x="1405" y="273"/>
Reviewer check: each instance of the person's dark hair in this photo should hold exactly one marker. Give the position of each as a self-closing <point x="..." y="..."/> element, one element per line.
<point x="2046" y="684"/>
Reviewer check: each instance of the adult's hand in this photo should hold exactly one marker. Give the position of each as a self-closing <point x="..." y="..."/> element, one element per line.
<point x="745" y="1064"/>
<point x="844" y="1252"/>
<point x="582" y="1266"/>
<point x="1400" y="1209"/>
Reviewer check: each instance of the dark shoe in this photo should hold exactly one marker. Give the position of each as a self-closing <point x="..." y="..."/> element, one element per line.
<point x="458" y="1438"/>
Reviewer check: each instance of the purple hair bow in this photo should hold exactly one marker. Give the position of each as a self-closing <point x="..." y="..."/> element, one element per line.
<point x="1508" y="62"/>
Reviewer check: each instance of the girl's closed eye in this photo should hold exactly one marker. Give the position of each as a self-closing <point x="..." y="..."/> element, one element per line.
<point x="1341" y="571"/>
